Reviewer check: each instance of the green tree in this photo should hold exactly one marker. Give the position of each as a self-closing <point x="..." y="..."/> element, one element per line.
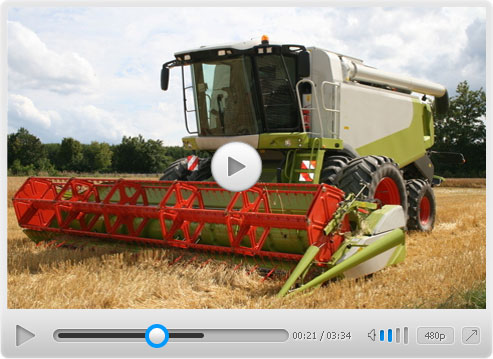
<point x="27" y="149"/>
<point x="463" y="130"/>
<point x="176" y="152"/>
<point x="70" y="156"/>
<point x="97" y="157"/>
<point x="17" y="169"/>
<point x="52" y="150"/>
<point x="103" y="157"/>
<point x="136" y="155"/>
<point x="155" y="155"/>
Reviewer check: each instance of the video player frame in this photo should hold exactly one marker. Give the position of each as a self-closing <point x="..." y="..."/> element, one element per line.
<point x="307" y="181"/>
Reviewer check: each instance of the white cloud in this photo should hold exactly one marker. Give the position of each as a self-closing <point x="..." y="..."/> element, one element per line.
<point x="23" y="113"/>
<point x="90" y="123"/>
<point x="85" y="123"/>
<point x="33" y="65"/>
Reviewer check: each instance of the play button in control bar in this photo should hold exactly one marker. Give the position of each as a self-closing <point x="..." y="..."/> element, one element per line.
<point x="236" y="166"/>
<point x="22" y="335"/>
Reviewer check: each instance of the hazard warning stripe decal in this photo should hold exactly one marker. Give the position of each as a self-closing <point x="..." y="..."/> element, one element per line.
<point x="307" y="165"/>
<point x="192" y="163"/>
<point x="306" y="177"/>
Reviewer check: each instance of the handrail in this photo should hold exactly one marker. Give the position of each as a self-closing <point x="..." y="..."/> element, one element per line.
<point x="300" y="105"/>
<point x="336" y="110"/>
<point x="286" y="164"/>
<point x="335" y="84"/>
<point x="314" y="94"/>
<point x="185" y="109"/>
<point x="315" y="140"/>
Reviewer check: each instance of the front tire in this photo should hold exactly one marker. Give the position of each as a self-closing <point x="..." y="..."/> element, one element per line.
<point x="332" y="166"/>
<point x="381" y="176"/>
<point x="422" y="205"/>
<point x="177" y="171"/>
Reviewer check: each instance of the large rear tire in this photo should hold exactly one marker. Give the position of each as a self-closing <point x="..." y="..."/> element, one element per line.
<point x="422" y="205"/>
<point x="178" y="171"/>
<point x="381" y="176"/>
<point x="331" y="168"/>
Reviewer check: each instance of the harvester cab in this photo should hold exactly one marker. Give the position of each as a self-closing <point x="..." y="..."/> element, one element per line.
<point x="345" y="167"/>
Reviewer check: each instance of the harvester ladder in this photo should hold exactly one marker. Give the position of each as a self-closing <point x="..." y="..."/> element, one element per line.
<point x="295" y="158"/>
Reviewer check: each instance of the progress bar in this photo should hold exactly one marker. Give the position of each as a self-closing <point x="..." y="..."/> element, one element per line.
<point x="175" y="335"/>
<point x="112" y="335"/>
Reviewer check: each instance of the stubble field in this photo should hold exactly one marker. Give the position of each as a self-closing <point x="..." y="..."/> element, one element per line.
<point x="440" y="267"/>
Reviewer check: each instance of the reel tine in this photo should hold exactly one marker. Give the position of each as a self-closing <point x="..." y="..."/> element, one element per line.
<point x="268" y="274"/>
<point x="237" y="266"/>
<point x="206" y="262"/>
<point x="254" y="268"/>
<point x="49" y="244"/>
<point x="176" y="260"/>
<point x="192" y="260"/>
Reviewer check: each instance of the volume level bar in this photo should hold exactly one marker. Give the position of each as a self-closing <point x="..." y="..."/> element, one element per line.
<point x="175" y="335"/>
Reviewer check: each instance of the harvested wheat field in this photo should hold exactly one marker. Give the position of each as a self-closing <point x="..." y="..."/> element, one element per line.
<point x="439" y="266"/>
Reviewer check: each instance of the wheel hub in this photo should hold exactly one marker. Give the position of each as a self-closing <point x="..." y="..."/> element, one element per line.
<point x="424" y="210"/>
<point x="388" y="192"/>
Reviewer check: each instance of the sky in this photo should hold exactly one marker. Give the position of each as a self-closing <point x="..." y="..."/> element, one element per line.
<point x="93" y="73"/>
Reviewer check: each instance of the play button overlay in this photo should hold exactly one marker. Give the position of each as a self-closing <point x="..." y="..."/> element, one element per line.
<point x="22" y="335"/>
<point x="236" y="166"/>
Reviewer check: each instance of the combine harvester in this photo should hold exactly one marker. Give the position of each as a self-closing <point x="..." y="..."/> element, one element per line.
<point x="345" y="156"/>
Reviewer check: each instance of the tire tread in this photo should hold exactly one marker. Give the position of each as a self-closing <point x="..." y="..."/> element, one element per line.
<point x="416" y="189"/>
<point x="368" y="170"/>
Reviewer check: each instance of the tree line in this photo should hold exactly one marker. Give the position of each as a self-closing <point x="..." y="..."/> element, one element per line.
<point x="461" y="130"/>
<point x="27" y="155"/>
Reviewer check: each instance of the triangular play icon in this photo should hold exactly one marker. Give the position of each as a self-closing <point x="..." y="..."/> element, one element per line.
<point x="22" y="335"/>
<point x="234" y="166"/>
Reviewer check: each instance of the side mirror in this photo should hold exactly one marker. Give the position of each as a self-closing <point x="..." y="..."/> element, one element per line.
<point x="451" y="158"/>
<point x="303" y="64"/>
<point x="442" y="104"/>
<point x="164" y="78"/>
